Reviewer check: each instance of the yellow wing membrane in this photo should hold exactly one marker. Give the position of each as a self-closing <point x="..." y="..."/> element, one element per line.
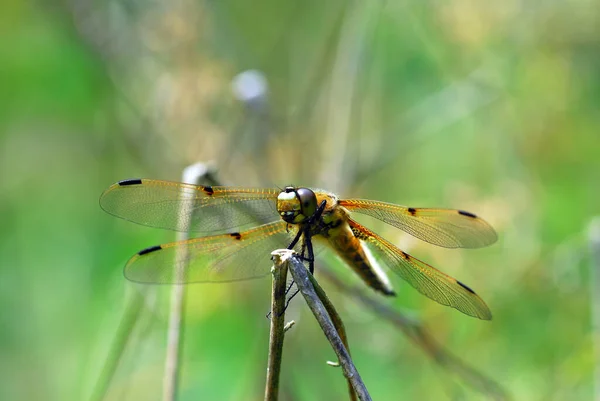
<point x="185" y="207"/>
<point x="218" y="258"/>
<point x="424" y="278"/>
<point x="448" y="228"/>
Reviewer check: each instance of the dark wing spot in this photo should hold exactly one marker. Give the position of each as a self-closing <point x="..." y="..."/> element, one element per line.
<point x="208" y="190"/>
<point x="405" y="255"/>
<point x="467" y="214"/>
<point x="148" y="250"/>
<point x="412" y="211"/>
<point x="465" y="287"/>
<point x="237" y="236"/>
<point x="133" y="181"/>
<point x="356" y="233"/>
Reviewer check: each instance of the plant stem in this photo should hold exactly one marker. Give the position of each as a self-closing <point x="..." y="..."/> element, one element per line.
<point x="306" y="286"/>
<point x="277" y="332"/>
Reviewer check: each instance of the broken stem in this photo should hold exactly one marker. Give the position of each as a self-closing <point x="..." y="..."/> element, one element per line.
<point x="277" y="332"/>
<point x="307" y="288"/>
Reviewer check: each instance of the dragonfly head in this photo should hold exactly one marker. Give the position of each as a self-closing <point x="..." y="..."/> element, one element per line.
<point x="295" y="205"/>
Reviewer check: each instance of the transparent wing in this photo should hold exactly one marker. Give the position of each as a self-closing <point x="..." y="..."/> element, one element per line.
<point x="185" y="207"/>
<point x="443" y="227"/>
<point x="424" y="278"/>
<point x="217" y="258"/>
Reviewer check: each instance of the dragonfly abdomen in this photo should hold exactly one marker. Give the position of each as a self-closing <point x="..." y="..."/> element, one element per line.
<point x="352" y="251"/>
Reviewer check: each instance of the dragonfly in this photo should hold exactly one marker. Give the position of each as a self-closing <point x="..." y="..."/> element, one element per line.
<point x="239" y="227"/>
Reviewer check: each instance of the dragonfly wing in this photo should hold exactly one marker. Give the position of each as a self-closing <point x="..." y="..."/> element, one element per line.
<point x="217" y="258"/>
<point x="185" y="207"/>
<point x="448" y="228"/>
<point x="424" y="278"/>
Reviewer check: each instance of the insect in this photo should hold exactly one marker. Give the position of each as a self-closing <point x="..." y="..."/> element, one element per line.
<point x="241" y="226"/>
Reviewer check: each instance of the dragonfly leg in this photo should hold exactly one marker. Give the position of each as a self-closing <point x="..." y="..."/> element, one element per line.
<point x="287" y="303"/>
<point x="291" y="246"/>
<point x="288" y="298"/>
<point x="311" y="255"/>
<point x="306" y="243"/>
<point x="306" y="247"/>
<point x="295" y="240"/>
<point x="302" y="230"/>
<point x="319" y="211"/>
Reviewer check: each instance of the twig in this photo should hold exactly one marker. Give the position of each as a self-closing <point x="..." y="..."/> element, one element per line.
<point x="193" y="174"/>
<point x="338" y="324"/>
<point x="415" y="331"/>
<point x="307" y="288"/>
<point x="277" y="333"/>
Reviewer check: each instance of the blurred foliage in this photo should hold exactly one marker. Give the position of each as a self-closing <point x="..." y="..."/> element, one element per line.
<point x="488" y="107"/>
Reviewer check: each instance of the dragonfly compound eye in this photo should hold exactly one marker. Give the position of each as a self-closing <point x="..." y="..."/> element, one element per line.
<point x="295" y="205"/>
<point x="308" y="201"/>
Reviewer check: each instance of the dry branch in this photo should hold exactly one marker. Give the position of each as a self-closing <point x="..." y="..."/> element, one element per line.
<point x="277" y="332"/>
<point x="306" y="285"/>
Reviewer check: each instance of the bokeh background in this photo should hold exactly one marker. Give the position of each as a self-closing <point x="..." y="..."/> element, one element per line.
<point x="491" y="107"/>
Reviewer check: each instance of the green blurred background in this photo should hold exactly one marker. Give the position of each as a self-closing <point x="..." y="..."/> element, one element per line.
<point x="488" y="107"/>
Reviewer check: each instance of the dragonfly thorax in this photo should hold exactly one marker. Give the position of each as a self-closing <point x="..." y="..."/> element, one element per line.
<point x="296" y="205"/>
